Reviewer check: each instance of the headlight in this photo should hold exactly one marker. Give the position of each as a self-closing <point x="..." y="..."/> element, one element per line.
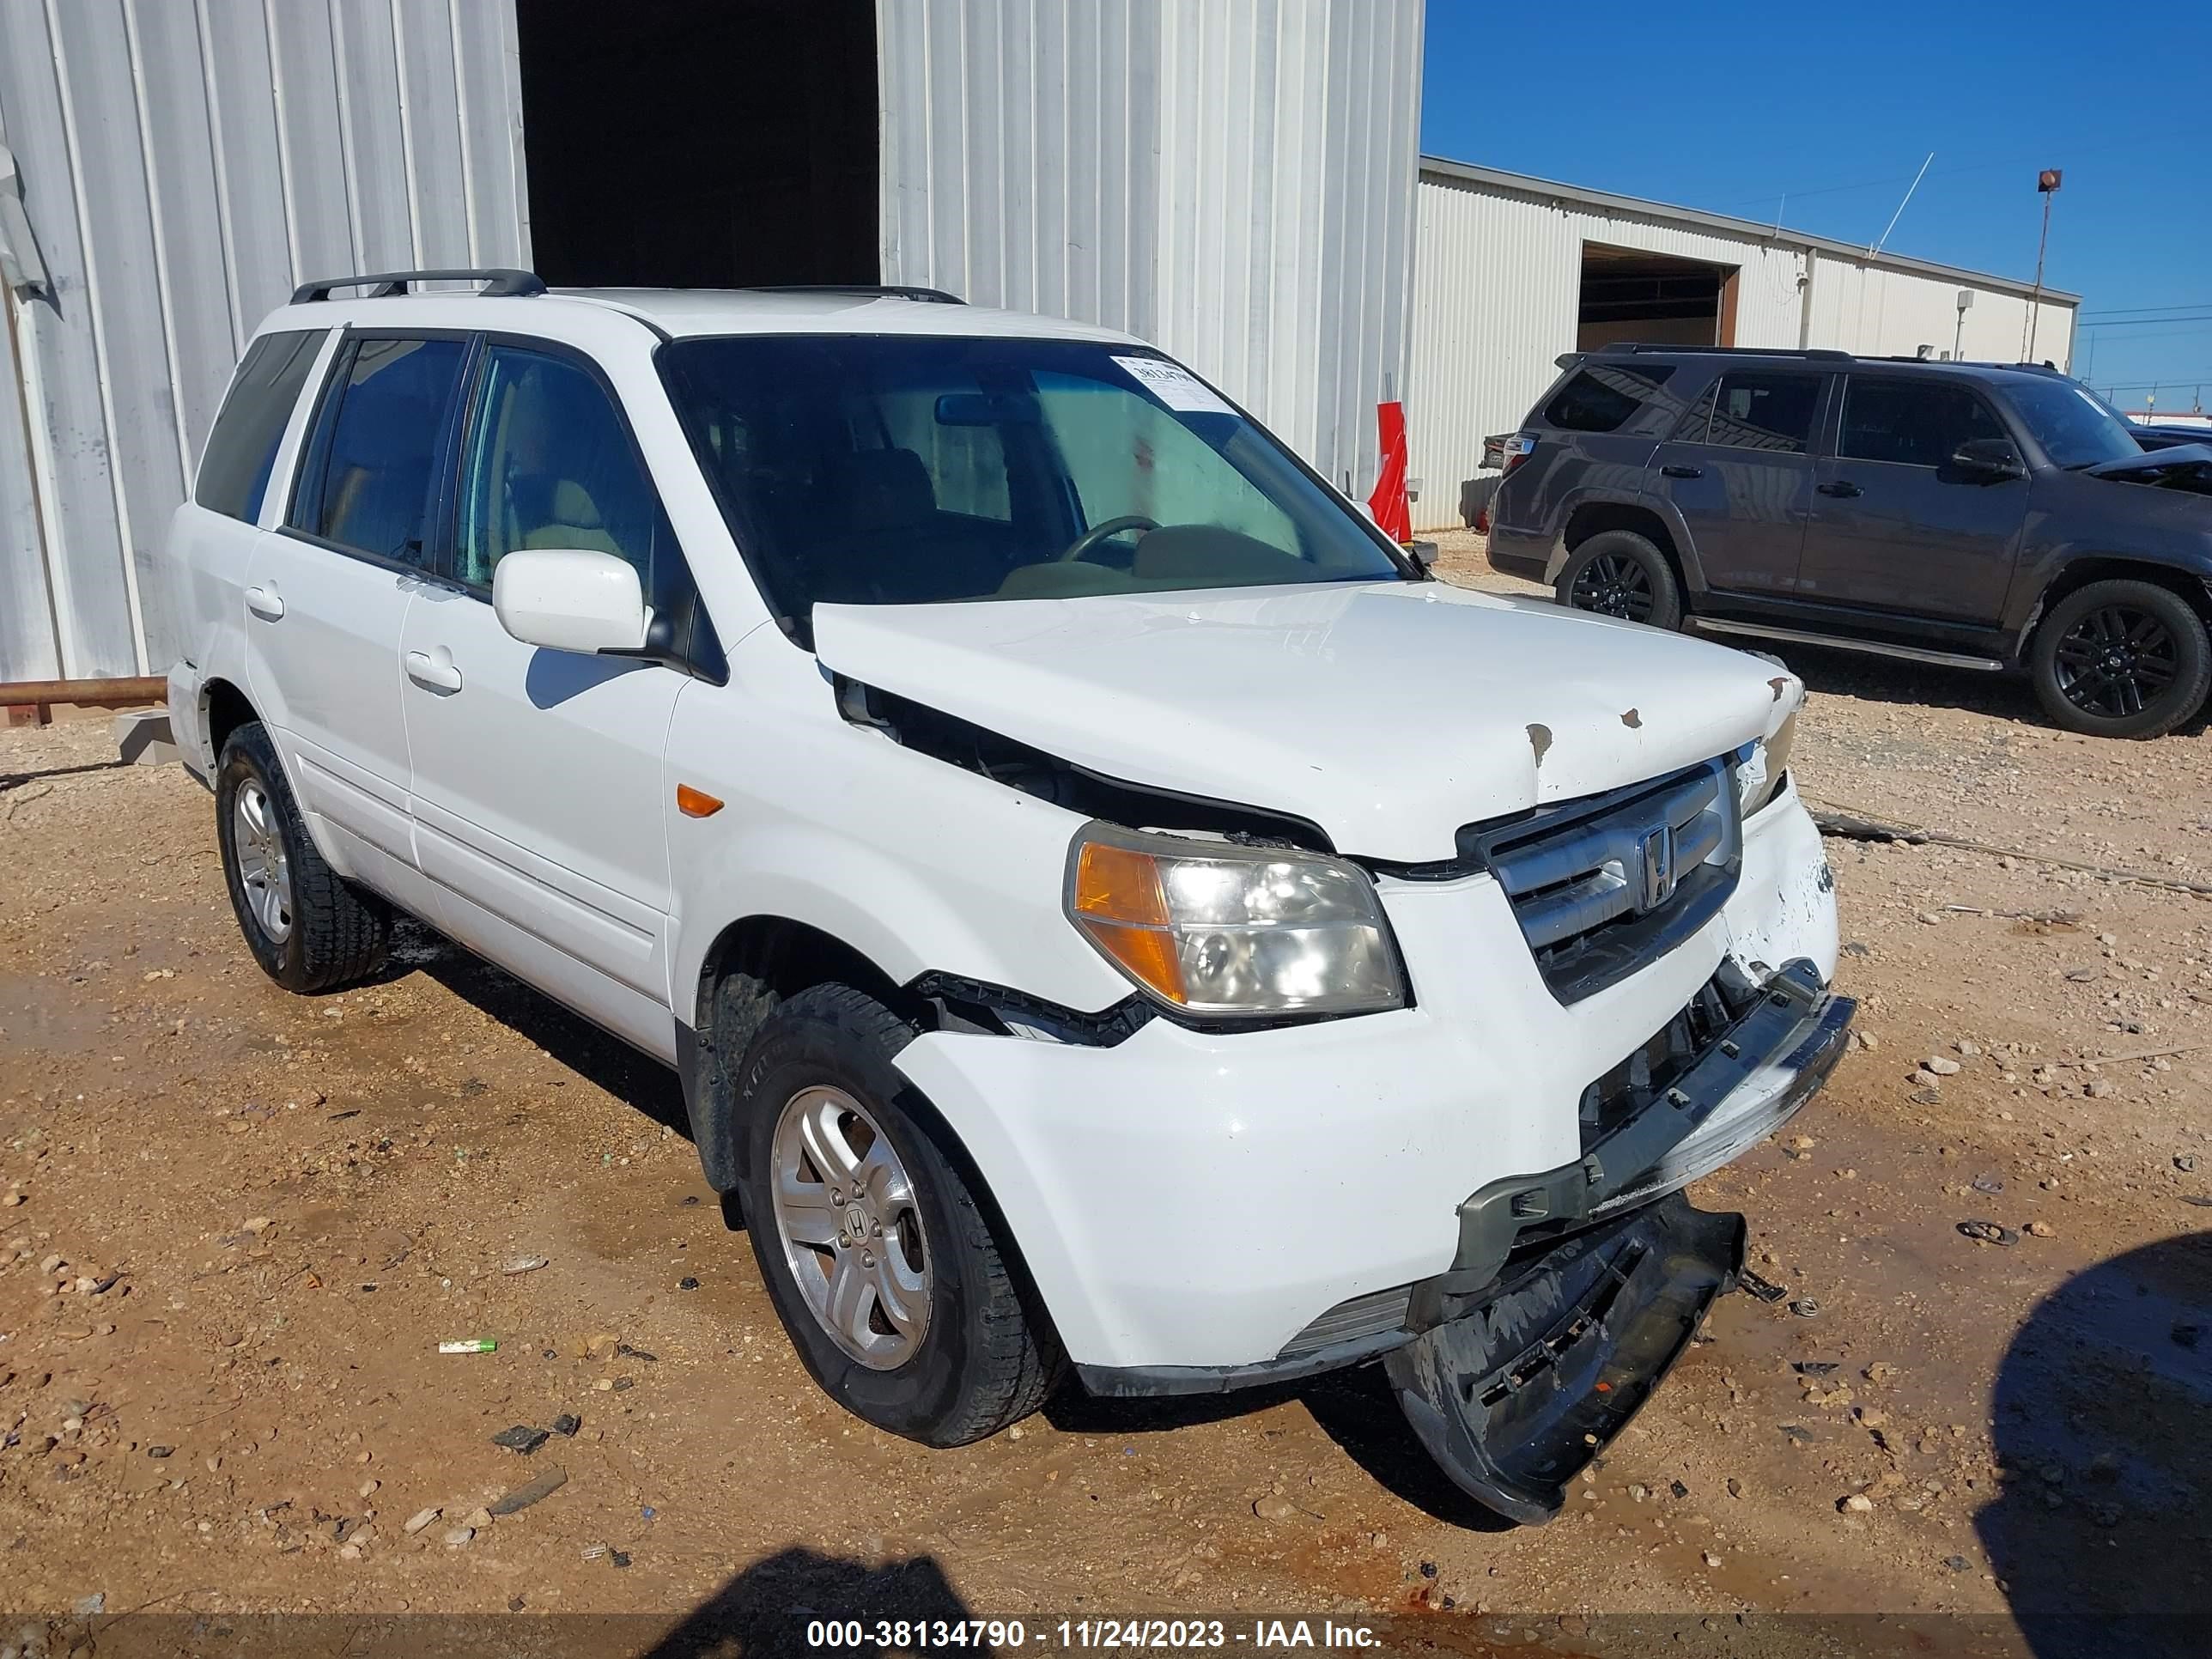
<point x="1211" y="927"/>
<point x="1760" y="775"/>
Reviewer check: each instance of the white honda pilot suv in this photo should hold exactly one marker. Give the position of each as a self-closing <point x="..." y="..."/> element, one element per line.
<point x="1108" y="907"/>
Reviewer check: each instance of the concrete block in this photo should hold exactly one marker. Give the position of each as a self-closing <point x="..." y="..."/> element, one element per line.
<point x="142" y="738"/>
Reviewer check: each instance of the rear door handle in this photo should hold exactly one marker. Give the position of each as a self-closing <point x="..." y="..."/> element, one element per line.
<point x="433" y="671"/>
<point x="263" y="601"/>
<point x="1682" y="471"/>
<point x="1843" y="487"/>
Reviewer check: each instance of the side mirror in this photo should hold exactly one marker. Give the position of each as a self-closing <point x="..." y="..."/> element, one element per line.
<point x="1988" y="460"/>
<point x="570" y="599"/>
<point x="1424" y="554"/>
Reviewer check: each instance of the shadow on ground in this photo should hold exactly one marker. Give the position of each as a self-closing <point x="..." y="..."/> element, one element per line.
<point x="767" y="1608"/>
<point x="2101" y="1529"/>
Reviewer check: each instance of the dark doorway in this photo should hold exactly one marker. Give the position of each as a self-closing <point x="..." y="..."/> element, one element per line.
<point x="700" y="143"/>
<point x="1653" y="299"/>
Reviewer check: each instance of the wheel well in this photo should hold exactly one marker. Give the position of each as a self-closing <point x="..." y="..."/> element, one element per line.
<point x="2079" y="573"/>
<point x="753" y="965"/>
<point x="1594" y="518"/>
<point x="783" y="958"/>
<point x="226" y="710"/>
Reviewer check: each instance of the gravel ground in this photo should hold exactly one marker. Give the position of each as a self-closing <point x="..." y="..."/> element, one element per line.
<point x="235" y="1224"/>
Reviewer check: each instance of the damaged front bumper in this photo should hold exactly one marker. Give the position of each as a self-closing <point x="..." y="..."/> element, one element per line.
<point x="1575" y="1293"/>
<point x="1513" y="1398"/>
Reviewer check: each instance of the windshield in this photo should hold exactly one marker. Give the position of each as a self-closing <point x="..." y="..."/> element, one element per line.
<point x="889" y="470"/>
<point x="2076" y="428"/>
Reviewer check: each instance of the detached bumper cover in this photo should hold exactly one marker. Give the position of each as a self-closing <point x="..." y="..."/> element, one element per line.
<point x="1769" y="1062"/>
<point x="1513" y="1398"/>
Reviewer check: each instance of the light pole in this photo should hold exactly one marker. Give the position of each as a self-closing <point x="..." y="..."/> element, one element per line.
<point x="2046" y="185"/>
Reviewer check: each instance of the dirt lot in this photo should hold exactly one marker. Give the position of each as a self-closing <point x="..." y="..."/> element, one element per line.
<point x="237" y="1223"/>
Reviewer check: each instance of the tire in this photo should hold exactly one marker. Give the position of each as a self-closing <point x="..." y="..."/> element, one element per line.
<point x="309" y="928"/>
<point x="966" y="1360"/>
<point x="2121" y="658"/>
<point x="1618" y="573"/>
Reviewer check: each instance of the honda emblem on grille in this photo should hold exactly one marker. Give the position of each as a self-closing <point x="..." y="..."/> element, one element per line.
<point x="1657" y="851"/>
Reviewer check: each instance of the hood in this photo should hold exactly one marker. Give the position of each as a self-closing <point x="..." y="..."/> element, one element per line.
<point x="1389" y="714"/>
<point x="2178" y="466"/>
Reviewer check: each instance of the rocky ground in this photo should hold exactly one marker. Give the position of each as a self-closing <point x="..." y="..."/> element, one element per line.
<point x="236" y="1225"/>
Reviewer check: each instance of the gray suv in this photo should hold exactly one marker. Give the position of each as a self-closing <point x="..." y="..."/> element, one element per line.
<point x="1981" y="516"/>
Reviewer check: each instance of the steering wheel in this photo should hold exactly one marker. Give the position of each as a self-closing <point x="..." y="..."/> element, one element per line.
<point x="1099" y="533"/>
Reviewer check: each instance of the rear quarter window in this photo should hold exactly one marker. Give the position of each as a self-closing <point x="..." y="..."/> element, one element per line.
<point x="241" y="450"/>
<point x="1604" y="397"/>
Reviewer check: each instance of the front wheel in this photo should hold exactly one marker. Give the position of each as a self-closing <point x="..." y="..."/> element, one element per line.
<point x="2121" y="658"/>
<point x="887" y="1274"/>
<point x="1618" y="573"/>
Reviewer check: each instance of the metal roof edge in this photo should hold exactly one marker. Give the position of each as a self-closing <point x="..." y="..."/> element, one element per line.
<point x="1523" y="184"/>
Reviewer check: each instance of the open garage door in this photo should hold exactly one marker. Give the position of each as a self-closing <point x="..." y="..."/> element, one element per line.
<point x="700" y="143"/>
<point x="1653" y="299"/>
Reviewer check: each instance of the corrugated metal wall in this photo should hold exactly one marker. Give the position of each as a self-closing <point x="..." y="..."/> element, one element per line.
<point x="1856" y="307"/>
<point x="185" y="163"/>
<point x="1229" y="179"/>
<point x="1497" y="277"/>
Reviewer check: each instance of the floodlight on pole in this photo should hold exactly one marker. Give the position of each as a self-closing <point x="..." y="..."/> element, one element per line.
<point x="2046" y="185"/>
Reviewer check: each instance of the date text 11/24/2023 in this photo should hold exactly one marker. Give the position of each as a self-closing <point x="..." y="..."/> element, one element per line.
<point x="1258" y="1635"/>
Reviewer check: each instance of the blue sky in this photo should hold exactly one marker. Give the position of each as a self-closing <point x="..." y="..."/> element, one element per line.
<point x="1730" y="106"/>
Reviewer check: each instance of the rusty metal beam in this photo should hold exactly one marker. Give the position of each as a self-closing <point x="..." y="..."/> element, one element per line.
<point x="110" y="694"/>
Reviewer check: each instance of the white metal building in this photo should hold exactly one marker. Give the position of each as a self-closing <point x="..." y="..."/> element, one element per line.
<point x="1511" y="271"/>
<point x="1231" y="178"/>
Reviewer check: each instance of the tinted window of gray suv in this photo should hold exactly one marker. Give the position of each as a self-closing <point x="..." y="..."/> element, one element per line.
<point x="1912" y="422"/>
<point x="1755" y="411"/>
<point x="1604" y="397"/>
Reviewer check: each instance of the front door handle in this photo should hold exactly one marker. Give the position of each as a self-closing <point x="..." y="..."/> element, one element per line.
<point x="263" y="601"/>
<point x="1681" y="472"/>
<point x="1843" y="487"/>
<point x="433" y="670"/>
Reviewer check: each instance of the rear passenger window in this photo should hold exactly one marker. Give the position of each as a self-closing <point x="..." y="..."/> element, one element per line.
<point x="1604" y="397"/>
<point x="242" y="449"/>
<point x="368" y="482"/>
<point x="1762" y="411"/>
<point x="1912" y="423"/>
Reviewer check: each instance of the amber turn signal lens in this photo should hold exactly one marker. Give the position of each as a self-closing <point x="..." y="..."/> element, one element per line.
<point x="1114" y="883"/>
<point x="1118" y="903"/>
<point x="696" y="803"/>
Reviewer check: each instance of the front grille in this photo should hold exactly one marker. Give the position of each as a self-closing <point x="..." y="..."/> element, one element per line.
<point x="1603" y="885"/>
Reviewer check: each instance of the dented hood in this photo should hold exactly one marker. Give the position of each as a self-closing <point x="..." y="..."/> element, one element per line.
<point x="1389" y="714"/>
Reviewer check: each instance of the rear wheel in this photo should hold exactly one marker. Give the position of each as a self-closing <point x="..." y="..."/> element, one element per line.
<point x="1618" y="573"/>
<point x="2121" y="658"/>
<point x="309" y="928"/>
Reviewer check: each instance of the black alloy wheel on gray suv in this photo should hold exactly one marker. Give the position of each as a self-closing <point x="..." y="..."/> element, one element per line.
<point x="2121" y="660"/>
<point x="1618" y="573"/>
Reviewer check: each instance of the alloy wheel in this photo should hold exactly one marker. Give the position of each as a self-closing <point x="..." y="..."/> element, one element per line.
<point x="846" y="1215"/>
<point x="2116" y="661"/>
<point x="263" y="870"/>
<point x="1613" y="586"/>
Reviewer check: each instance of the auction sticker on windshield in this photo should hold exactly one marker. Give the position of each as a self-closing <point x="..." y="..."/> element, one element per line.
<point x="1174" y="386"/>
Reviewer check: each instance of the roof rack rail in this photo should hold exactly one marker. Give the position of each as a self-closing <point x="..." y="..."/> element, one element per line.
<point x="498" y="282"/>
<point x="1815" y="354"/>
<point x="934" y="296"/>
